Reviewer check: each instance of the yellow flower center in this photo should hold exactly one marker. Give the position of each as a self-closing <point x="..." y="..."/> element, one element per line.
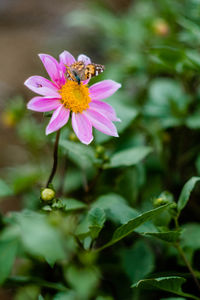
<point x="75" y="96"/>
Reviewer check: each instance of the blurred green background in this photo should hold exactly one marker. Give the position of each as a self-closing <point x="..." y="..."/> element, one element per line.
<point x="153" y="49"/>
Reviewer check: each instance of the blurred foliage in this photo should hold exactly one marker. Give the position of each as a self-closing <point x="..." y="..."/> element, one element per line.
<point x="134" y="190"/>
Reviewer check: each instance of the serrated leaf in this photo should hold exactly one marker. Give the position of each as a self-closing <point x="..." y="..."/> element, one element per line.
<point x="186" y="191"/>
<point x="5" y="189"/>
<point x="8" y="250"/>
<point x="124" y="230"/>
<point x="170" y="284"/>
<point x="128" y="157"/>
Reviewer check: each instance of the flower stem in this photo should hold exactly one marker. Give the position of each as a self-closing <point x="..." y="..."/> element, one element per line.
<point x="187" y="263"/>
<point x="55" y="159"/>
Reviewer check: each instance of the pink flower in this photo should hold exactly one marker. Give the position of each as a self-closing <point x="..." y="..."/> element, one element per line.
<point x="65" y="96"/>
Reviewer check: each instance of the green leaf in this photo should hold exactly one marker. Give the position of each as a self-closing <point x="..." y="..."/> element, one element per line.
<point x="138" y="261"/>
<point x="8" y="250"/>
<point x="167" y="101"/>
<point x="116" y="208"/>
<point x="96" y="219"/>
<point x="81" y="155"/>
<point x="83" y="281"/>
<point x="37" y="281"/>
<point x="118" y="211"/>
<point x="169" y="236"/>
<point x="5" y="190"/>
<point x="190" y="239"/>
<point x="186" y="191"/>
<point x="124" y="230"/>
<point x="40" y="297"/>
<point x="39" y="237"/>
<point x="70" y="204"/>
<point x="170" y="284"/>
<point x="92" y="223"/>
<point x="69" y="295"/>
<point x="172" y="59"/>
<point x="174" y="298"/>
<point x="24" y="177"/>
<point x="193" y="121"/>
<point x="128" y="157"/>
<point x="190" y="236"/>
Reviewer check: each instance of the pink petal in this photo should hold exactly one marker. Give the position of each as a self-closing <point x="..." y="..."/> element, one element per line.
<point x="43" y="104"/>
<point x="42" y="86"/>
<point x="82" y="128"/>
<point x="67" y="58"/>
<point x="105" y="109"/>
<point x="58" y="119"/>
<point x="100" y="122"/>
<point x="53" y="69"/>
<point x="85" y="81"/>
<point x="85" y="59"/>
<point x="103" y="89"/>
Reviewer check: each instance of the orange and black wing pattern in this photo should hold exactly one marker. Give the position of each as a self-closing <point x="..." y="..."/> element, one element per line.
<point x="78" y="71"/>
<point x="92" y="70"/>
<point x="76" y="68"/>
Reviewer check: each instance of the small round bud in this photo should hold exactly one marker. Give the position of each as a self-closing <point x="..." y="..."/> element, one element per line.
<point x="159" y="201"/>
<point x="100" y="149"/>
<point x="47" y="194"/>
<point x="72" y="137"/>
<point x="161" y="27"/>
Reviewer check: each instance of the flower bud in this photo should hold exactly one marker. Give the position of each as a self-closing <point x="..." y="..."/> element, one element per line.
<point x="47" y="194"/>
<point x="159" y="201"/>
<point x="72" y="137"/>
<point x="100" y="150"/>
<point x="161" y="27"/>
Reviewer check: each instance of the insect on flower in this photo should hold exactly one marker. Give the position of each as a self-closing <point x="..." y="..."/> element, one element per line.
<point x="78" y="71"/>
<point x="68" y="94"/>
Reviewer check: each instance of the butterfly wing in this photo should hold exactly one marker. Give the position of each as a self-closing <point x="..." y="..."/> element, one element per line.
<point x="92" y="70"/>
<point x="76" y="70"/>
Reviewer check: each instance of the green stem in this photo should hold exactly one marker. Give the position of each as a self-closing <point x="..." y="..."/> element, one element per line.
<point x="182" y="254"/>
<point x="55" y="159"/>
<point x="176" y="222"/>
<point x="187" y="263"/>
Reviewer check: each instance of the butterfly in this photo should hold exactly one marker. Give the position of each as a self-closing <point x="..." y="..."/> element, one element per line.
<point x="78" y="71"/>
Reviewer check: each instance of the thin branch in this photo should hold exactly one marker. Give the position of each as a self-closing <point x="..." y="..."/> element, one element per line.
<point x="55" y="159"/>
